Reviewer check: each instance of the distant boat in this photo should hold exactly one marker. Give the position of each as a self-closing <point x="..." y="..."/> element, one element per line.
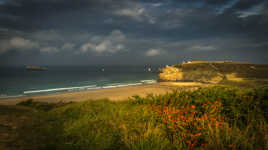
<point x="36" y="68"/>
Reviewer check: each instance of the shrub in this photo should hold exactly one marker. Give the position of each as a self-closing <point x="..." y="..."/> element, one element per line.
<point x="207" y="118"/>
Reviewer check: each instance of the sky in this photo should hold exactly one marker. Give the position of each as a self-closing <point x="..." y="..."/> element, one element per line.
<point x="132" y="32"/>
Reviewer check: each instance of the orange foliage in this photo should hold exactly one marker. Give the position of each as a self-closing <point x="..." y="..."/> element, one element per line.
<point x="188" y="125"/>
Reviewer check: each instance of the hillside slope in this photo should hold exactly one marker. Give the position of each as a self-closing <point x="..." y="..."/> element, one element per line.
<point x="213" y="72"/>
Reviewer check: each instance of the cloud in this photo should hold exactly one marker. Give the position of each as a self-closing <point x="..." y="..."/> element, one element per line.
<point x="4" y="46"/>
<point x="174" y="28"/>
<point x="67" y="46"/>
<point x="157" y="4"/>
<point x="87" y="47"/>
<point x="229" y="5"/>
<point x="135" y="13"/>
<point x="47" y="35"/>
<point x="247" y="4"/>
<point x="112" y="43"/>
<point x="2" y="2"/>
<point x="138" y="13"/>
<point x="21" y="43"/>
<point x="17" y="43"/>
<point x="202" y="48"/>
<point x="250" y="12"/>
<point x="153" y="52"/>
<point x="49" y="50"/>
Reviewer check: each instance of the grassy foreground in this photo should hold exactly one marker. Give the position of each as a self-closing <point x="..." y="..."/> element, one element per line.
<point x="208" y="118"/>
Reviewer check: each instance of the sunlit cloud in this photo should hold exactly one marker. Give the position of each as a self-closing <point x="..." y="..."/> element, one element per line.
<point x="153" y="52"/>
<point x="112" y="43"/>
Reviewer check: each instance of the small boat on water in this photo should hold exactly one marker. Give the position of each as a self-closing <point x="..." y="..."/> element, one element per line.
<point x="36" y="68"/>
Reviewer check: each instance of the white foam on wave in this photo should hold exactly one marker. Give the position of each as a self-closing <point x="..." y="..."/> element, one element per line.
<point x="116" y="85"/>
<point x="134" y="84"/>
<point x="91" y="87"/>
<point x="148" y="81"/>
<point x="61" y="89"/>
<point x="11" y="96"/>
<point x="94" y="88"/>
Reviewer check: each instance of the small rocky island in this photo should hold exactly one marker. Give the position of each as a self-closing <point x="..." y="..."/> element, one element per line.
<point x="36" y="68"/>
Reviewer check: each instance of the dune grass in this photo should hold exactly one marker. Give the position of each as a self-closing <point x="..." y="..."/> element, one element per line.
<point x="207" y="118"/>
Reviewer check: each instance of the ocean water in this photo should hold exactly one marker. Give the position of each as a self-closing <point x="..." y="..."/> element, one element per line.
<point x="17" y="81"/>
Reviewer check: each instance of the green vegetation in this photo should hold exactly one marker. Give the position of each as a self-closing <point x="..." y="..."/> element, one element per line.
<point x="214" y="72"/>
<point x="41" y="106"/>
<point x="207" y="118"/>
<point x="242" y="70"/>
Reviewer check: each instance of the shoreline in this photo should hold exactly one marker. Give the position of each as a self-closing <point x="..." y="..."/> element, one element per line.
<point x="113" y="94"/>
<point x="60" y="90"/>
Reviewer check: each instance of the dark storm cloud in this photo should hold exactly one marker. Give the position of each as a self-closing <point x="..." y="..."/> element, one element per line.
<point x="32" y="14"/>
<point x="131" y="31"/>
<point x="246" y="4"/>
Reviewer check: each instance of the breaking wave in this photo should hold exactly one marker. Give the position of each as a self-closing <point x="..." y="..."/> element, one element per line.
<point x="89" y="87"/>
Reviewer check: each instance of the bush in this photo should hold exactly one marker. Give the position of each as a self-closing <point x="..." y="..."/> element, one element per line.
<point x="207" y="118"/>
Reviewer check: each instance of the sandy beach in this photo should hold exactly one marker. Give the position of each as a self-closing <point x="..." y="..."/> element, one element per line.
<point x="114" y="94"/>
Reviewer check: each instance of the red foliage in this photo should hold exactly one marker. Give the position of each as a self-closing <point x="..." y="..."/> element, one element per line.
<point x="188" y="125"/>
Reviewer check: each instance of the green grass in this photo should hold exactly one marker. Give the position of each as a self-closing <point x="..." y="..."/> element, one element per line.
<point x="211" y="72"/>
<point x="208" y="118"/>
<point x="243" y="70"/>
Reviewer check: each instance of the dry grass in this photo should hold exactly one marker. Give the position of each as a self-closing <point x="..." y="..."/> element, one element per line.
<point x="215" y="72"/>
<point x="183" y="84"/>
<point x="206" y="118"/>
<point x="233" y="77"/>
<point x="12" y="120"/>
<point x="170" y="73"/>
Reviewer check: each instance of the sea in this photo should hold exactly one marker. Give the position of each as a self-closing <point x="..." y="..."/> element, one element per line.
<point x="19" y="82"/>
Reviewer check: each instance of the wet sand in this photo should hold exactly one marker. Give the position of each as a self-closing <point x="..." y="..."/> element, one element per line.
<point x="114" y="94"/>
